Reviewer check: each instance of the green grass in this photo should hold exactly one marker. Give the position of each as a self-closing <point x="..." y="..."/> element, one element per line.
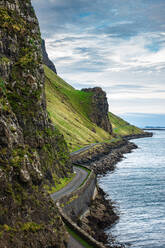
<point x="87" y="170"/>
<point x="84" y="168"/>
<point x="4" y="60"/>
<point x="78" y="238"/>
<point x="61" y="184"/>
<point x="121" y="127"/>
<point x="69" y="109"/>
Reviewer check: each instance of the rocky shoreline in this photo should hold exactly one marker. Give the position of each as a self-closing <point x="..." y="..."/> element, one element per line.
<point x="103" y="157"/>
<point x="102" y="213"/>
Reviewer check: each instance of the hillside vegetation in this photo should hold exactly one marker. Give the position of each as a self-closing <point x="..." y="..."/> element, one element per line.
<point x="33" y="152"/>
<point x="69" y="109"/>
<point x="121" y="127"/>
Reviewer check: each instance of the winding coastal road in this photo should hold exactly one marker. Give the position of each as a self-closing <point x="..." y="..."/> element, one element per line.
<point x="84" y="148"/>
<point x="78" y="179"/>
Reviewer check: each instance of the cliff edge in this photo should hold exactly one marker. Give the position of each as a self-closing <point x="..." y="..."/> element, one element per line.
<point x="32" y="151"/>
<point x="99" y="109"/>
<point x="46" y="59"/>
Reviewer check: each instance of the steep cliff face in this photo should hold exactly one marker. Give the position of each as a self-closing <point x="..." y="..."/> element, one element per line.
<point x="46" y="59"/>
<point x="99" y="108"/>
<point x="32" y="151"/>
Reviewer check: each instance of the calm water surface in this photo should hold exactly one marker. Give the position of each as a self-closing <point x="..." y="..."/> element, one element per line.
<point x="138" y="188"/>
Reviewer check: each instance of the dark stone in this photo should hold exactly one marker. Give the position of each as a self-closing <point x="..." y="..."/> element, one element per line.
<point x="101" y="214"/>
<point x="29" y="144"/>
<point x="104" y="157"/>
<point x="46" y="59"/>
<point x="99" y="109"/>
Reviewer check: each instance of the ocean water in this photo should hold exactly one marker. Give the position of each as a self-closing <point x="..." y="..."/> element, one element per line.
<point x="138" y="188"/>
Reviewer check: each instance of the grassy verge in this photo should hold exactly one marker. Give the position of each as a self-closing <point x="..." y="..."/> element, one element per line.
<point x="84" y="168"/>
<point x="78" y="238"/>
<point x="89" y="172"/>
<point x="62" y="183"/>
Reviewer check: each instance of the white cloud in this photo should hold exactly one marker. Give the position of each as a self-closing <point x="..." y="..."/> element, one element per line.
<point x="119" y="46"/>
<point x="105" y="61"/>
<point x="117" y="54"/>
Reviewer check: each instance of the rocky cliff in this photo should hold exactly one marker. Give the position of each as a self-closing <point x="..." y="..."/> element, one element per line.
<point x="32" y="151"/>
<point x="46" y="59"/>
<point x="99" y="108"/>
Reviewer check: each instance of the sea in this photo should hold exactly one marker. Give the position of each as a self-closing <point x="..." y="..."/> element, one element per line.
<point x="137" y="187"/>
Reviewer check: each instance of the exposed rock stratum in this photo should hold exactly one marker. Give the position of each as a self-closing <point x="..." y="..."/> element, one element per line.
<point x="46" y="59"/>
<point x="32" y="152"/>
<point x="99" y="108"/>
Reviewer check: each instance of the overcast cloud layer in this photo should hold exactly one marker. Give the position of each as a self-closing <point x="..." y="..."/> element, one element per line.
<point x="118" y="45"/>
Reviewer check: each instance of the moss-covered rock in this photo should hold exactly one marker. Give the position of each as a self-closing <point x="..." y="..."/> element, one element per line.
<point x="99" y="108"/>
<point x="46" y="59"/>
<point x="31" y="148"/>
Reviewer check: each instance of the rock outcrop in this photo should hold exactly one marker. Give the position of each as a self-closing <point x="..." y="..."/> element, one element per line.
<point x="99" y="108"/>
<point x="32" y="152"/>
<point x="46" y="59"/>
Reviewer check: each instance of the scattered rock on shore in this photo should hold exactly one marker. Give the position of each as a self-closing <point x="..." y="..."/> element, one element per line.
<point x="102" y="213"/>
<point x="104" y="157"/>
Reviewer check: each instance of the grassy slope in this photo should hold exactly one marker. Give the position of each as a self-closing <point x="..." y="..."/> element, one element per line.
<point x="121" y="127"/>
<point x="69" y="108"/>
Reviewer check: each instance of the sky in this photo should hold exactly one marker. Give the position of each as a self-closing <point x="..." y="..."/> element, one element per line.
<point x="118" y="45"/>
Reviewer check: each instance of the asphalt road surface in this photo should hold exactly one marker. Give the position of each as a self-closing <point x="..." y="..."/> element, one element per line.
<point x="73" y="243"/>
<point x="78" y="179"/>
<point x="84" y="149"/>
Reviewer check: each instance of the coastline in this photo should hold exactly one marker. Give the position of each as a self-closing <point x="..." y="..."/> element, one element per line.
<point x="103" y="157"/>
<point x="102" y="213"/>
<point x="138" y="136"/>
